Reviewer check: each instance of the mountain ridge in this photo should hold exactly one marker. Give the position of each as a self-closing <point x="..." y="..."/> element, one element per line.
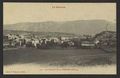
<point x="75" y="27"/>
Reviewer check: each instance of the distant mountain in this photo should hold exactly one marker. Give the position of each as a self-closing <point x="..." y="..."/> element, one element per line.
<point x="76" y="27"/>
<point x="40" y="34"/>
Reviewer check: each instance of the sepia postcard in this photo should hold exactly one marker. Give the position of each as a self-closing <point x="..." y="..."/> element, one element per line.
<point x="59" y="38"/>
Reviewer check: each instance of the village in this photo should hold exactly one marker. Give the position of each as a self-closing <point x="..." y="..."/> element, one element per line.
<point x="102" y="39"/>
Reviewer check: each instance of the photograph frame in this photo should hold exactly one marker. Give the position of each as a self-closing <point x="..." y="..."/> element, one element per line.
<point x="66" y="75"/>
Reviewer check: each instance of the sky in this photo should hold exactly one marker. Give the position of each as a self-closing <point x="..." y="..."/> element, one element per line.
<point x="39" y="12"/>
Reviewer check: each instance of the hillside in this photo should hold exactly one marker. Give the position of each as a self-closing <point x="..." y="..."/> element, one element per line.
<point x="75" y="27"/>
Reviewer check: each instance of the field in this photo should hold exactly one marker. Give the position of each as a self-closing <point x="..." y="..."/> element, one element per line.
<point x="58" y="61"/>
<point x="59" y="57"/>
